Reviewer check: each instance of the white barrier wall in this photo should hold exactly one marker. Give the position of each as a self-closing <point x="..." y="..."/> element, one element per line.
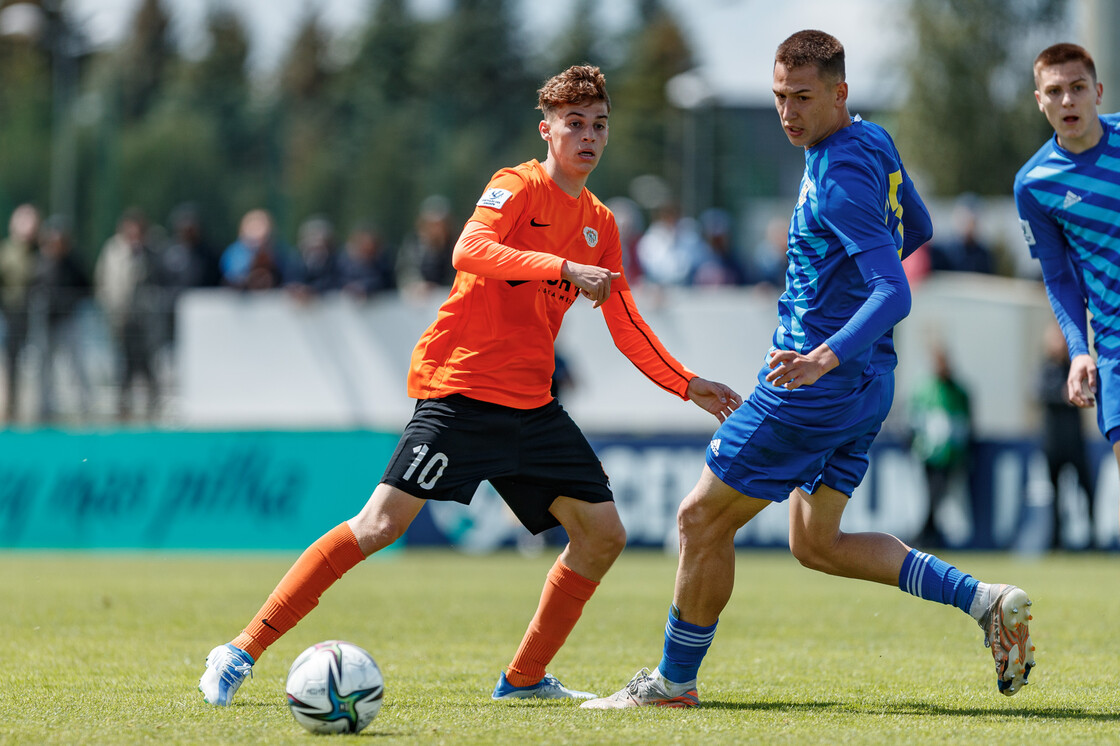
<point x="265" y="360"/>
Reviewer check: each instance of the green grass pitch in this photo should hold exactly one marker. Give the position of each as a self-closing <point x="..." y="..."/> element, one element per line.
<point x="106" y="648"/>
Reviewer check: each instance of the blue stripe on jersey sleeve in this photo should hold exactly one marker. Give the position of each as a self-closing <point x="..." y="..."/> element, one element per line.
<point x="1057" y="182"/>
<point x="1108" y="162"/>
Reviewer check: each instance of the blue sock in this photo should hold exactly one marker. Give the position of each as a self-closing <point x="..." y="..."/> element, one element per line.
<point x="933" y="579"/>
<point x="685" y="647"/>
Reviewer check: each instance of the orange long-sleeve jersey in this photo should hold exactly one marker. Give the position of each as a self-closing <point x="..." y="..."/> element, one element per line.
<point x="494" y="337"/>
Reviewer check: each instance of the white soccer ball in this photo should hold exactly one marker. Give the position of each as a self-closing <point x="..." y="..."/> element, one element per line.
<point x="334" y="687"/>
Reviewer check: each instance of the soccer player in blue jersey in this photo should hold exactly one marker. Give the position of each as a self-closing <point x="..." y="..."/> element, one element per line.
<point x="1068" y="197"/>
<point x="822" y="394"/>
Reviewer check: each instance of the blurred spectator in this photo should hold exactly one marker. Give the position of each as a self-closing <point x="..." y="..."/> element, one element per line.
<point x="563" y="379"/>
<point x="631" y="225"/>
<point x="58" y="287"/>
<point x="769" y="259"/>
<point x="671" y="248"/>
<point x="314" y="269"/>
<point x="965" y="252"/>
<point x="941" y="422"/>
<point x="17" y="265"/>
<point x="255" y="260"/>
<point x="126" y="285"/>
<point x="1063" y="439"/>
<point x="189" y="261"/>
<point x="424" y="260"/>
<point x="365" y="268"/>
<point x="720" y="266"/>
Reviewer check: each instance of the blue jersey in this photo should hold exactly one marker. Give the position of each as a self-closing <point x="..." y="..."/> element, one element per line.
<point x="1069" y="207"/>
<point x="853" y="196"/>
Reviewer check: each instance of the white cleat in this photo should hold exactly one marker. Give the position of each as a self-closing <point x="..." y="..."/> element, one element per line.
<point x="226" y="668"/>
<point x="645" y="690"/>
<point x="1007" y="633"/>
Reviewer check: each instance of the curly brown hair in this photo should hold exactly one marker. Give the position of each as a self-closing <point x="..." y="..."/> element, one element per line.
<point x="577" y="85"/>
<point x="811" y="47"/>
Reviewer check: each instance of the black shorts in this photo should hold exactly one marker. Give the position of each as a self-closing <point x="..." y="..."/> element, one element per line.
<point x="530" y="456"/>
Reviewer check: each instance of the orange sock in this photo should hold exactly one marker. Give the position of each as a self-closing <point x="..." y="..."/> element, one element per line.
<point x="565" y="592"/>
<point x="322" y="563"/>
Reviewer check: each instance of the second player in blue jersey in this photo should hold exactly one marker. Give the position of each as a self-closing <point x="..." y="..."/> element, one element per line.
<point x="1068" y="195"/>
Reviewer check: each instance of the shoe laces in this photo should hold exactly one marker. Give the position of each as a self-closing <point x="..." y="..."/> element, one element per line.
<point x="234" y="669"/>
<point x="641" y="684"/>
<point x="991" y="614"/>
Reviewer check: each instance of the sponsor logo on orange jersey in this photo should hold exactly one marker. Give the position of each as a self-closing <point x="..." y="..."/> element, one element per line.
<point x="494" y="197"/>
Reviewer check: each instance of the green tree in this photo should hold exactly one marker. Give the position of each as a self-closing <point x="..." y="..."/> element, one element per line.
<point x="310" y="171"/>
<point x="304" y="76"/>
<point x="218" y="88"/>
<point x="186" y="146"/>
<point x="386" y="60"/>
<point x="970" y="119"/>
<point x="383" y="135"/>
<point x="642" y="122"/>
<point x="579" y="41"/>
<point x="201" y="136"/>
<point x="219" y="85"/>
<point x="479" y="66"/>
<point x="124" y="90"/>
<point x="145" y="58"/>
<point x="480" y="97"/>
<point x="25" y="123"/>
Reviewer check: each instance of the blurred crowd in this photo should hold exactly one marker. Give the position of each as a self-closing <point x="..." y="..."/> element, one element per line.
<point x="675" y="250"/>
<point x="53" y="307"/>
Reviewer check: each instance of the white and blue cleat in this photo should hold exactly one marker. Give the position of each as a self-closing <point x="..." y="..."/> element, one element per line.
<point x="547" y="688"/>
<point x="226" y="668"/>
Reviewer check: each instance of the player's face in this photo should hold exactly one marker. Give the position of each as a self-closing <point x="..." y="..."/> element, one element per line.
<point x="576" y="135"/>
<point x="811" y="108"/>
<point x="1069" y="97"/>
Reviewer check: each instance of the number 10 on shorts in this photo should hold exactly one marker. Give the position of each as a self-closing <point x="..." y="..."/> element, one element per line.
<point x="437" y="463"/>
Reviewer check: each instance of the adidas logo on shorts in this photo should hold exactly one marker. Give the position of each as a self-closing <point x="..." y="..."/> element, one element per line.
<point x="714" y="446"/>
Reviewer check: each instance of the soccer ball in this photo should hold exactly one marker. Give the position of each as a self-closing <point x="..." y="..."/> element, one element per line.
<point x="334" y="687"/>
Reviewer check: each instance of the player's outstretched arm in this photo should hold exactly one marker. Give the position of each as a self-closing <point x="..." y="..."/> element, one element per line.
<point x="592" y="281"/>
<point x="1081" y="385"/>
<point x="714" y="397"/>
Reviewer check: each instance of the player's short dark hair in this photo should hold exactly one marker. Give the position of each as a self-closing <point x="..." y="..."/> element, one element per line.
<point x="1060" y="54"/>
<point x="811" y="47"/>
<point x="579" y="84"/>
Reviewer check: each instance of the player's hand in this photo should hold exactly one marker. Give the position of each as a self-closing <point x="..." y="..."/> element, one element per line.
<point x="593" y="282"/>
<point x="1081" y="385"/>
<point x="791" y="370"/>
<point x="713" y="397"/>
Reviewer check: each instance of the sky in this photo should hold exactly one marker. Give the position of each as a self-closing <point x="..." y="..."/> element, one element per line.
<point x="734" y="40"/>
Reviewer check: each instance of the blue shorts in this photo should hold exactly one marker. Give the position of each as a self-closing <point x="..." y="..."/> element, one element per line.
<point x="1108" y="399"/>
<point x="779" y="440"/>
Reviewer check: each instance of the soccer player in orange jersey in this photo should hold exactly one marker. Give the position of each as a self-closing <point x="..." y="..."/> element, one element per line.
<point x="538" y="239"/>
